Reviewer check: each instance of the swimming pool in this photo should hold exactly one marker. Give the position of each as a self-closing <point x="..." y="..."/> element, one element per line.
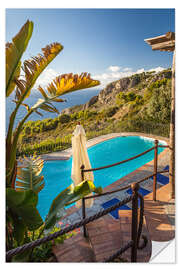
<point x="57" y="174"/>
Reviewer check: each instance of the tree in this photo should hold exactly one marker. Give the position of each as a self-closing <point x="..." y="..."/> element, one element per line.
<point x="21" y="199"/>
<point x="159" y="105"/>
<point x="22" y="88"/>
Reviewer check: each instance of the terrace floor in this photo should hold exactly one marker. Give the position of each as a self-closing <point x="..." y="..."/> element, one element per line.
<point x="107" y="235"/>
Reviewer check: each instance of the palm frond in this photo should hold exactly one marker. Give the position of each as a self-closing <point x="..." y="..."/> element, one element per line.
<point x="68" y="83"/>
<point x="46" y="105"/>
<point x="33" y="68"/>
<point x="29" y="174"/>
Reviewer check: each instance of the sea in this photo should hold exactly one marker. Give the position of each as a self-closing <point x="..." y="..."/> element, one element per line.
<point x="74" y="98"/>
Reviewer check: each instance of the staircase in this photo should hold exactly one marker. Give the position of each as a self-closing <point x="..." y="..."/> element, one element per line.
<point x="107" y="235"/>
<point x="75" y="249"/>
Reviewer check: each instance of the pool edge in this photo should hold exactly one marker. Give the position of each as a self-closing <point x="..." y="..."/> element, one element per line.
<point x="66" y="154"/>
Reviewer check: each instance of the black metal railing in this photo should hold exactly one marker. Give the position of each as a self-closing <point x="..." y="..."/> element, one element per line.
<point x="154" y="175"/>
<point x="135" y="237"/>
<point x="136" y="229"/>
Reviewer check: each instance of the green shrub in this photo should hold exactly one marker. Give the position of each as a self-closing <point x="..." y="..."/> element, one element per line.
<point x="158" y="84"/>
<point x="64" y="118"/>
<point x="130" y="96"/>
<point x="27" y="130"/>
<point x="121" y="98"/>
<point x="36" y="129"/>
<point x="159" y="105"/>
<point x="110" y="111"/>
<point x="74" y="116"/>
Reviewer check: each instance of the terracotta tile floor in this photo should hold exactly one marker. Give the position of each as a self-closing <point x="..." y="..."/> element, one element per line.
<point x="116" y="234"/>
<point x="107" y="235"/>
<point x="74" y="249"/>
<point x="158" y="223"/>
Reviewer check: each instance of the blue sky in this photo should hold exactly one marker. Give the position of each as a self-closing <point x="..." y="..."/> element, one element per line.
<point x="108" y="43"/>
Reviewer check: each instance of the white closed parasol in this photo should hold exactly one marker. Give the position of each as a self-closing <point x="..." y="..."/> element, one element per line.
<point x="79" y="158"/>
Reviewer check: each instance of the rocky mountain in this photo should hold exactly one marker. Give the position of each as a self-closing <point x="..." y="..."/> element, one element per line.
<point x="138" y="103"/>
<point x="107" y="96"/>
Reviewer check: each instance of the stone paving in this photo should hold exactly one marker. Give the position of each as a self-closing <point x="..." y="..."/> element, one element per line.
<point x="74" y="214"/>
<point x="170" y="211"/>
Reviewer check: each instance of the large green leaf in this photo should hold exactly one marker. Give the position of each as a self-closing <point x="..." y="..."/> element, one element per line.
<point x="14" y="52"/>
<point x="66" y="197"/>
<point x="29" y="174"/>
<point x="19" y="229"/>
<point x="22" y="257"/>
<point x="23" y="204"/>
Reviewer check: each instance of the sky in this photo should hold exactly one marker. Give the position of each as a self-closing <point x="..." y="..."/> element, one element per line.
<point x="108" y="43"/>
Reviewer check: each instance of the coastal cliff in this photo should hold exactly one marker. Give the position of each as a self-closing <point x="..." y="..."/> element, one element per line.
<point x="139" y="103"/>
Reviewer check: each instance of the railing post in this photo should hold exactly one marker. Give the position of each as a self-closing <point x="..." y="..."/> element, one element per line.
<point x="155" y="169"/>
<point x="83" y="204"/>
<point x="84" y="216"/>
<point x="134" y="225"/>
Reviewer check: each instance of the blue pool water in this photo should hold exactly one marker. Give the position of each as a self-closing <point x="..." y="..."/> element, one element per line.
<point x="57" y="174"/>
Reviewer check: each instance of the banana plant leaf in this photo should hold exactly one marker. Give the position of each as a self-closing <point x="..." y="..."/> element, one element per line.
<point x="33" y="67"/>
<point x="19" y="229"/>
<point x="23" y="205"/>
<point x="14" y="52"/>
<point x="22" y="257"/>
<point x="66" y="197"/>
<point x="29" y="174"/>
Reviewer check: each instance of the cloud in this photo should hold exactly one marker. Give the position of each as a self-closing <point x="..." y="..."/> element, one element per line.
<point x="141" y="70"/>
<point x="158" y="69"/>
<point x="114" y="74"/>
<point x="114" y="68"/>
<point x="46" y="77"/>
<point x="127" y="69"/>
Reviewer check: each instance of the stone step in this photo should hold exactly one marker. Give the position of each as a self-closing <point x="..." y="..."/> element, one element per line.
<point x="74" y="249"/>
<point x="108" y="235"/>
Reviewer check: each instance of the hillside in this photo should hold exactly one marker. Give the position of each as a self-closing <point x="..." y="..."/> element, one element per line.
<point x="140" y="102"/>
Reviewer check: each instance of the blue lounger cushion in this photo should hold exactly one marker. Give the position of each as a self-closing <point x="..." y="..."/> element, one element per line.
<point x="142" y="191"/>
<point x="164" y="180"/>
<point x="166" y="168"/>
<point x="112" y="202"/>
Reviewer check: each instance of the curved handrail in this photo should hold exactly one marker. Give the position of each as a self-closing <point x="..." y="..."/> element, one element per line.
<point x="123" y="161"/>
<point x="118" y="163"/>
<point x="125" y="187"/>
<point x="49" y="237"/>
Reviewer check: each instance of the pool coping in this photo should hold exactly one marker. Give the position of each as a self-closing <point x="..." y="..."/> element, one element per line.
<point x="66" y="154"/>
